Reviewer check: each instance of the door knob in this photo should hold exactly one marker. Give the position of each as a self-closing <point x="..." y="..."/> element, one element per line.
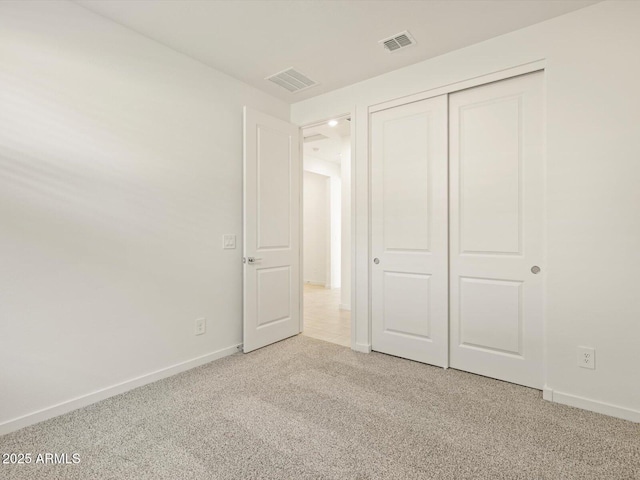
<point x="376" y="261"/>
<point x="253" y="260"/>
<point x="535" y="269"/>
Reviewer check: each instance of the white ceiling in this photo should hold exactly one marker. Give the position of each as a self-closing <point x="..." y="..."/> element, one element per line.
<point x="329" y="148"/>
<point x="334" y="43"/>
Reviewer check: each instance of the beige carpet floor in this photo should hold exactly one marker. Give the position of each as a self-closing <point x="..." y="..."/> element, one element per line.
<point x="308" y="409"/>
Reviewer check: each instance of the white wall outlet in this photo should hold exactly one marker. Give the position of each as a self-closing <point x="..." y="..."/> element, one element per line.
<point x="201" y="326"/>
<point x="587" y="357"/>
<point x="228" y="241"/>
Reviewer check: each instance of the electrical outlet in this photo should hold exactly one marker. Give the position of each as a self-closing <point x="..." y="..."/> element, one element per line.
<point x="587" y="357"/>
<point x="228" y="241"/>
<point x="201" y="326"/>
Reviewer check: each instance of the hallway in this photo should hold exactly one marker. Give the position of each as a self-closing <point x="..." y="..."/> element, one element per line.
<point x="323" y="318"/>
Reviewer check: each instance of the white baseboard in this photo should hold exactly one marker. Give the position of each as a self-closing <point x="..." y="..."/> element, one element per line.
<point x="93" y="397"/>
<point x="362" y="347"/>
<point x="345" y="306"/>
<point x="591" y="405"/>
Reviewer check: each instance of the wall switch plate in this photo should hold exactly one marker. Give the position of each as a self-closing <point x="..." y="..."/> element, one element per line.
<point x="228" y="241"/>
<point x="587" y="357"/>
<point x="201" y="326"/>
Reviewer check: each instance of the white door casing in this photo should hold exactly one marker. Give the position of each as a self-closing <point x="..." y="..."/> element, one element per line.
<point x="409" y="301"/>
<point x="497" y="229"/>
<point x="271" y="220"/>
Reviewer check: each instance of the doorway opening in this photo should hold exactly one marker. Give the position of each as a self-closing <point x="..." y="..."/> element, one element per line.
<point x="326" y="231"/>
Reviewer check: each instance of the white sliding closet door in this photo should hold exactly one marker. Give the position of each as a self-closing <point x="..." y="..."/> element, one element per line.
<point x="409" y="231"/>
<point x="496" y="229"/>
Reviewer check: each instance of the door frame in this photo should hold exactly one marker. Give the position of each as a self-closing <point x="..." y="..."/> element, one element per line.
<point x="352" y="244"/>
<point x="523" y="69"/>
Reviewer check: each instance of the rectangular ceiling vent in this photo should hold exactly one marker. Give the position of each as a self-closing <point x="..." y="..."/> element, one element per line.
<point x="398" y="41"/>
<point x="315" y="138"/>
<point x="292" y="80"/>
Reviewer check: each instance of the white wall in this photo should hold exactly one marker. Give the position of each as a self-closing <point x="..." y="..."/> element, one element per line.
<point x="331" y="170"/>
<point x="593" y="227"/>
<point x="316" y="229"/>
<point x="120" y="170"/>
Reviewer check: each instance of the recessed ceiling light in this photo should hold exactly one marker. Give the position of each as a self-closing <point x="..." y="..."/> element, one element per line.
<point x="332" y="123"/>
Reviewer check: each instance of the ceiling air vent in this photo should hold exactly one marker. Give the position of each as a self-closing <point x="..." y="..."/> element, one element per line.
<point x="292" y="80"/>
<point x="315" y="138"/>
<point x="398" y="41"/>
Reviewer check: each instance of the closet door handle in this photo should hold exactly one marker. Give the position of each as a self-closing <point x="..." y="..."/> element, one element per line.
<point x="376" y="261"/>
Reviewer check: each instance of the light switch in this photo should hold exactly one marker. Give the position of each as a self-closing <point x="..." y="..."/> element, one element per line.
<point x="228" y="241"/>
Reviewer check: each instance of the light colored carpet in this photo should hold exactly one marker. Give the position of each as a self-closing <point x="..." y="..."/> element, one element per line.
<point x="305" y="408"/>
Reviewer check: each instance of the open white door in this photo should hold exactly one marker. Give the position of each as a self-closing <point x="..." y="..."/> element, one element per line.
<point x="271" y="293"/>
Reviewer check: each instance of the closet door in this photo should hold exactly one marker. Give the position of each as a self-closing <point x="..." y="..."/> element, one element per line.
<point x="496" y="229"/>
<point x="409" y="231"/>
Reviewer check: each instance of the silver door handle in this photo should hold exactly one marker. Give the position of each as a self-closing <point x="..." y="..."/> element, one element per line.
<point x="253" y="260"/>
<point x="376" y="261"/>
<point x="535" y="269"/>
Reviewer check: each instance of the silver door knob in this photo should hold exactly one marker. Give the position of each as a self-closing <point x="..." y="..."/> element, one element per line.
<point x="253" y="260"/>
<point x="535" y="269"/>
<point x="376" y="261"/>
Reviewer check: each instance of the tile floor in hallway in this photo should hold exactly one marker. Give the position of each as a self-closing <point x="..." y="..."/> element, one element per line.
<point x="323" y="318"/>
